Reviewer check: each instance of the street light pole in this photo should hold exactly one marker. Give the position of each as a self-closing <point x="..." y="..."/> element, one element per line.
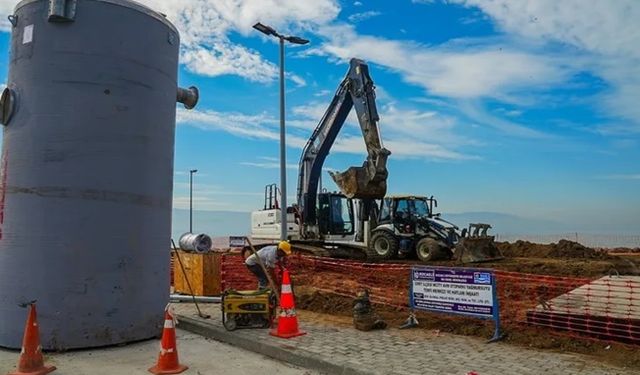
<point x="267" y="30"/>
<point x="191" y="172"/>
<point x="283" y="152"/>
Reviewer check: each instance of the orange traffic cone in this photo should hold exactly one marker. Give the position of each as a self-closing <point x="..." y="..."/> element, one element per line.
<point x="168" y="359"/>
<point x="31" y="361"/>
<point x="287" y="321"/>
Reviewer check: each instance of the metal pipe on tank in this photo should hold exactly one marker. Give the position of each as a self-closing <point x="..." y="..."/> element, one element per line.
<point x="189" y="97"/>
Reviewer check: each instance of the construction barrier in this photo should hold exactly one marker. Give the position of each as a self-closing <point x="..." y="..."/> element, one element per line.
<point x="234" y="274"/>
<point x="607" y="308"/>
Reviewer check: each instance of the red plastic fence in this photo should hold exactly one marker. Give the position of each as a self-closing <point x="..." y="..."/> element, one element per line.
<point x="607" y="308"/>
<point x="235" y="274"/>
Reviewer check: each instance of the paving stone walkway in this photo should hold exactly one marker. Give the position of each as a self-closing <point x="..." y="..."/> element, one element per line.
<point x="344" y="350"/>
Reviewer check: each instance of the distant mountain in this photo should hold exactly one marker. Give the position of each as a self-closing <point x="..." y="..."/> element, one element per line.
<point x="213" y="223"/>
<point x="224" y="223"/>
<point x="506" y="223"/>
<point x="506" y="226"/>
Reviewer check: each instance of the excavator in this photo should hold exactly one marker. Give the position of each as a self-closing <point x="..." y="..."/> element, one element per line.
<point x="359" y="222"/>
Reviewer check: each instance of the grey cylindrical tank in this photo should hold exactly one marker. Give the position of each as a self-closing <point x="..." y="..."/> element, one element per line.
<point x="87" y="171"/>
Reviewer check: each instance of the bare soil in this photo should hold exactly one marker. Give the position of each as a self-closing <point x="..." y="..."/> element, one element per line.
<point x="564" y="249"/>
<point x="566" y="258"/>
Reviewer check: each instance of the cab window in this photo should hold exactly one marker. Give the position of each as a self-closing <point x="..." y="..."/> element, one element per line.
<point x="341" y="215"/>
<point x="402" y="209"/>
<point x="385" y="212"/>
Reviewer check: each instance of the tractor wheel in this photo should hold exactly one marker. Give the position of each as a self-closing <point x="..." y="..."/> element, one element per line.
<point x="429" y="249"/>
<point x="384" y="245"/>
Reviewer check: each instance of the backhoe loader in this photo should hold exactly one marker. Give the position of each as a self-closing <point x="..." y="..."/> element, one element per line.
<point x="358" y="221"/>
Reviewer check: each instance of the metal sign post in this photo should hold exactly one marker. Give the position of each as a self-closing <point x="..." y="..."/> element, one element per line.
<point x="462" y="291"/>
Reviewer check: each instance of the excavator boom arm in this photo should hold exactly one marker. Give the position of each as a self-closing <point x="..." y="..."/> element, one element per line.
<point x="367" y="182"/>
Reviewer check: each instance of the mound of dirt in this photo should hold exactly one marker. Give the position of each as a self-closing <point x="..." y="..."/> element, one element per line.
<point x="564" y="249"/>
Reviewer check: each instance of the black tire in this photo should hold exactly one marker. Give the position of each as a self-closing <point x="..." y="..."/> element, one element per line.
<point x="429" y="249"/>
<point x="383" y="246"/>
<point x="230" y="323"/>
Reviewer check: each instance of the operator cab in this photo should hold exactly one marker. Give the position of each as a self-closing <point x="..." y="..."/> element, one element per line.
<point x="405" y="212"/>
<point x="335" y="214"/>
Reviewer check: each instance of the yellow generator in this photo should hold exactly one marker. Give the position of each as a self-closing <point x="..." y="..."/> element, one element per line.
<point x="248" y="309"/>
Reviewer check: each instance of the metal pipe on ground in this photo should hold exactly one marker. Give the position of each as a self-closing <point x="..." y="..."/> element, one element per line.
<point x="189" y="298"/>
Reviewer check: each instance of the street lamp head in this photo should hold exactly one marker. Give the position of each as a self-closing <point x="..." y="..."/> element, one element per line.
<point x="296" y="40"/>
<point x="265" y="29"/>
<point x="193" y="171"/>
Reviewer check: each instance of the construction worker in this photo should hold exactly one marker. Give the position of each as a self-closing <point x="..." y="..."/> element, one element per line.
<point x="269" y="255"/>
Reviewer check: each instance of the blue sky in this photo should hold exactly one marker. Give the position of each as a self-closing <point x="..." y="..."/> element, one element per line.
<point x="521" y="107"/>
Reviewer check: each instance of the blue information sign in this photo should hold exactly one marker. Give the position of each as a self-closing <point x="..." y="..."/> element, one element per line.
<point x="464" y="291"/>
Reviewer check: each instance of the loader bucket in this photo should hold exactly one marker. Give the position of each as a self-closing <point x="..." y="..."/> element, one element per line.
<point x="477" y="246"/>
<point x="477" y="250"/>
<point x="353" y="183"/>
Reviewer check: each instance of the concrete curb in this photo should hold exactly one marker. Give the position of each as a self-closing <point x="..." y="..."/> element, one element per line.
<point x="286" y="353"/>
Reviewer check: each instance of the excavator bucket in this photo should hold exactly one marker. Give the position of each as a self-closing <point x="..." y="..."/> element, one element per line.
<point x="355" y="183"/>
<point x="477" y="246"/>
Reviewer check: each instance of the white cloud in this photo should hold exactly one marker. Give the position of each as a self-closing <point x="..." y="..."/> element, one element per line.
<point x="312" y="111"/>
<point x="508" y="112"/>
<point x="299" y="81"/>
<point x="460" y="69"/>
<point x="607" y="31"/>
<point x="545" y="46"/>
<point x="402" y="148"/>
<point x="464" y="71"/>
<point x="606" y="27"/>
<point x="407" y="132"/>
<point x="206" y="24"/>
<point x="476" y="112"/>
<point x="6" y="8"/>
<point x="268" y="165"/>
<point x="209" y="196"/>
<point x="359" y="17"/>
<point x="357" y="3"/>
<point x="223" y="57"/>
<point x="322" y="93"/>
<point x="260" y="126"/>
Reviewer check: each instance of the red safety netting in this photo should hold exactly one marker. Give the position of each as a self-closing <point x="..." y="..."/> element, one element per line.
<point x="607" y="308"/>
